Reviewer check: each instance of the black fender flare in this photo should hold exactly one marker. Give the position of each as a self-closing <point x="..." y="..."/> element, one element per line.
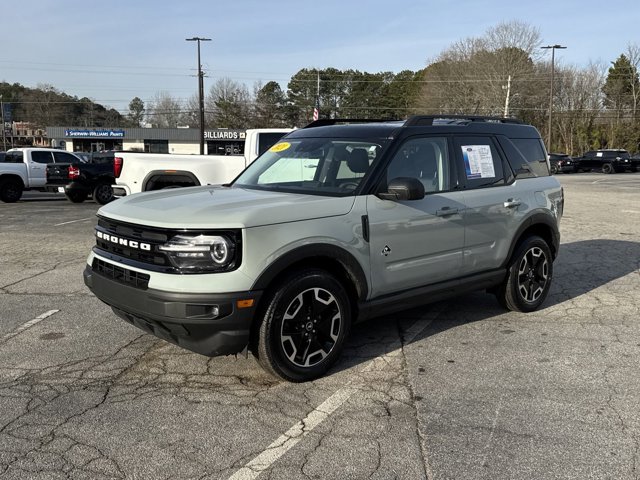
<point x="312" y="253"/>
<point x="533" y="220"/>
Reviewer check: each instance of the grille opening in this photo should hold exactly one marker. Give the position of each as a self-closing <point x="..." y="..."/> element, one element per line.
<point x="121" y="275"/>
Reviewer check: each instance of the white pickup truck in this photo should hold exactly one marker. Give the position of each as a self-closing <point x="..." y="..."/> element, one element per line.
<point x="142" y="172"/>
<point x="25" y="169"/>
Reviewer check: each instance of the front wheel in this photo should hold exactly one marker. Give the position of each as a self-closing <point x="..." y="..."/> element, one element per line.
<point x="528" y="277"/>
<point x="304" y="326"/>
<point x="607" y="168"/>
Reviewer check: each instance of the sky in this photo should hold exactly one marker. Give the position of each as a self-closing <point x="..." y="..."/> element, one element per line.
<point x="114" y="51"/>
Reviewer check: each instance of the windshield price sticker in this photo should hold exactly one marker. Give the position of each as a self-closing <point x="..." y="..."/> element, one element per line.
<point x="280" y="147"/>
<point x="478" y="161"/>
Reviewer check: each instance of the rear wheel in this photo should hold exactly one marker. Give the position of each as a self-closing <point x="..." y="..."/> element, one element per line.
<point x="305" y="322"/>
<point x="10" y="190"/>
<point x="102" y="193"/>
<point x="528" y="277"/>
<point x="554" y="169"/>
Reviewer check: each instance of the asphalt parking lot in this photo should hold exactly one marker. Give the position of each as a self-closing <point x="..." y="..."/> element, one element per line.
<point x="460" y="389"/>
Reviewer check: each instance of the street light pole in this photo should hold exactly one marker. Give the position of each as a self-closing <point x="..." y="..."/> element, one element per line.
<point x="553" y="51"/>
<point x="200" y="89"/>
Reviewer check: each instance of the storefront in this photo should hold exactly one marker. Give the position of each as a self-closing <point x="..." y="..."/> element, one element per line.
<point x="154" y="140"/>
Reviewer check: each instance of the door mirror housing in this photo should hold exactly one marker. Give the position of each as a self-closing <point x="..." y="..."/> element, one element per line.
<point x="403" y="188"/>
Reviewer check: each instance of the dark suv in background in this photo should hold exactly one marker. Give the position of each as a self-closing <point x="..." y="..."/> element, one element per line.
<point x="607" y="161"/>
<point x="561" y="163"/>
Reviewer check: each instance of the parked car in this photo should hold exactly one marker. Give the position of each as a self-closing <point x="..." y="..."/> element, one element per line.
<point x="606" y="161"/>
<point x="25" y="169"/>
<point x="334" y="224"/>
<point x="2" y="155"/>
<point x="561" y="163"/>
<point x="78" y="180"/>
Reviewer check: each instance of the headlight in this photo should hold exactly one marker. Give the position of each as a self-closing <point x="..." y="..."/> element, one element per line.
<point x="200" y="253"/>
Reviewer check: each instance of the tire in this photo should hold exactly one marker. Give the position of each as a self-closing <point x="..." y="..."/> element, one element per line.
<point x="305" y="322"/>
<point x="607" y="168"/>
<point x="102" y="193"/>
<point x="76" y="197"/>
<point x="528" y="276"/>
<point x="10" y="190"/>
<point x="554" y="169"/>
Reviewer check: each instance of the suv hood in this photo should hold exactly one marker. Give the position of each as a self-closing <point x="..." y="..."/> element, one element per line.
<point x="220" y="207"/>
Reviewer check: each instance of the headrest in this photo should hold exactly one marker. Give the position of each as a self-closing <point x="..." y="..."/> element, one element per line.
<point x="358" y="161"/>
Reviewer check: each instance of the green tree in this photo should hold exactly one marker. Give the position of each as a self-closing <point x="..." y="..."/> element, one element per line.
<point x="269" y="106"/>
<point x="136" y="111"/>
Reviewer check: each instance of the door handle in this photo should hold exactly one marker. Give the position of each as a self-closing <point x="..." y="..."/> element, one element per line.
<point x="446" y="211"/>
<point x="511" y="203"/>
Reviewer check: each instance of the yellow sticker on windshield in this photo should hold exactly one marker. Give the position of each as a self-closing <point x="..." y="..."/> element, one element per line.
<point x="280" y="147"/>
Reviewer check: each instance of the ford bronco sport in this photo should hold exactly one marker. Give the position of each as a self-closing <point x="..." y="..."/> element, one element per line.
<point x="336" y="223"/>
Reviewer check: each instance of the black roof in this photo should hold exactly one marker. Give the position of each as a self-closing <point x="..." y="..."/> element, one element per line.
<point x="354" y="128"/>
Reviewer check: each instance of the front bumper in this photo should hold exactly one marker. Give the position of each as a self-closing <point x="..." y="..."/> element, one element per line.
<point x="185" y="319"/>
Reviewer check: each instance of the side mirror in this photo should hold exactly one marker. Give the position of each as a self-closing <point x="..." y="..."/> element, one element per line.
<point x="403" y="188"/>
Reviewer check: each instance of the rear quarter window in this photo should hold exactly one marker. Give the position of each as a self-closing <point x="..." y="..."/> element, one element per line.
<point x="533" y="153"/>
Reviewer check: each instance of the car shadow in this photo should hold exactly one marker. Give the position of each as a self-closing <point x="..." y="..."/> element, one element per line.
<point x="580" y="268"/>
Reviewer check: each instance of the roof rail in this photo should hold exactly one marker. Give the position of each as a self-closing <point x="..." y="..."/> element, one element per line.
<point x="424" y="120"/>
<point x="323" y="122"/>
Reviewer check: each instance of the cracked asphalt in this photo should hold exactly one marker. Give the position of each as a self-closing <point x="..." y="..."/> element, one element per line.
<point x="460" y="389"/>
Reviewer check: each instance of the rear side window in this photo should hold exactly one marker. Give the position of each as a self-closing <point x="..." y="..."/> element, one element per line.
<point x="533" y="152"/>
<point x="41" y="157"/>
<point x="64" y="157"/>
<point x="13" y="157"/>
<point x="482" y="163"/>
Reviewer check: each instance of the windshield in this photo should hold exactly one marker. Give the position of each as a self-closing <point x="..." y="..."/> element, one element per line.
<point x="316" y="166"/>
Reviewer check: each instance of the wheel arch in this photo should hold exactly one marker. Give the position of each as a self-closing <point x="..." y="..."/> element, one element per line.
<point x="157" y="176"/>
<point x="333" y="259"/>
<point x="12" y="176"/>
<point x="539" y="224"/>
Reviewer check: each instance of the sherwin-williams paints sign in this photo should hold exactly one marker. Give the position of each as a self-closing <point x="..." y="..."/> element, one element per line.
<point x="94" y="133"/>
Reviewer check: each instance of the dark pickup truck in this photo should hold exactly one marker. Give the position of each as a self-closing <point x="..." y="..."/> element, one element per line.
<point x="79" y="180"/>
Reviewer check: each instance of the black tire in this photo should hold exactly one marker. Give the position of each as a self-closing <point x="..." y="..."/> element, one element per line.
<point x="554" y="169"/>
<point x="102" y="193"/>
<point x="607" y="168"/>
<point x="528" y="277"/>
<point x="76" y="197"/>
<point x="304" y="324"/>
<point x="10" y="190"/>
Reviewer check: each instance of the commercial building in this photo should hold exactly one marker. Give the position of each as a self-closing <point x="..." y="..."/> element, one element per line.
<point x="155" y="140"/>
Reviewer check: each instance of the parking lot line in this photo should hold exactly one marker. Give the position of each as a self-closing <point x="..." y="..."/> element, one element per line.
<point x="72" y="221"/>
<point x="291" y="437"/>
<point x="27" y="325"/>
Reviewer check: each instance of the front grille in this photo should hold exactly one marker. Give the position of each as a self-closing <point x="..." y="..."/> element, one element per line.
<point x="128" y="233"/>
<point x="120" y="275"/>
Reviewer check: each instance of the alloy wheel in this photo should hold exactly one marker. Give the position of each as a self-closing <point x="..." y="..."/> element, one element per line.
<point x="533" y="274"/>
<point x="310" y="327"/>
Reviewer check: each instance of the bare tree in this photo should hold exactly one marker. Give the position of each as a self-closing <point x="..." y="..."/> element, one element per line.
<point x="230" y="103"/>
<point x="475" y="75"/>
<point x="164" y="110"/>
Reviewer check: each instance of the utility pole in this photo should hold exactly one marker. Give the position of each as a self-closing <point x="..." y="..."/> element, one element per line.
<point x="506" y="101"/>
<point x="4" y="136"/>
<point x="553" y="51"/>
<point x="200" y="89"/>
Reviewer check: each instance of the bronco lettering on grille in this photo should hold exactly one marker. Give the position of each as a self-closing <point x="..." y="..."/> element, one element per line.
<point x="123" y="241"/>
